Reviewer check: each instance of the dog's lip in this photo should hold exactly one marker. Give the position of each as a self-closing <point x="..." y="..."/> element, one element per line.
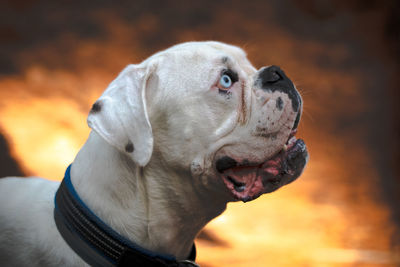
<point x="231" y="163"/>
<point x="292" y="133"/>
<point x="247" y="181"/>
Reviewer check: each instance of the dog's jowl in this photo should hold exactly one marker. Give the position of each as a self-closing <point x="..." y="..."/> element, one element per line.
<point x="173" y="140"/>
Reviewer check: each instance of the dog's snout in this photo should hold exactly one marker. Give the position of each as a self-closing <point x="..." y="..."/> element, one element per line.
<point x="270" y="75"/>
<point x="272" y="78"/>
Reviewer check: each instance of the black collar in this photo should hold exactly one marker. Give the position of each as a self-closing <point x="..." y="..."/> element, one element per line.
<point x="97" y="243"/>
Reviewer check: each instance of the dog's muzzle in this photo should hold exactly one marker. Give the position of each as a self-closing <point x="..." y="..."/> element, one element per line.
<point x="273" y="79"/>
<point x="247" y="181"/>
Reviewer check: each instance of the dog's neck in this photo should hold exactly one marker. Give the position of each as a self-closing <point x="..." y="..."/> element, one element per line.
<point x="154" y="207"/>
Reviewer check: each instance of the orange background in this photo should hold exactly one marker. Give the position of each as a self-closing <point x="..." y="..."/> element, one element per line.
<point x="56" y="57"/>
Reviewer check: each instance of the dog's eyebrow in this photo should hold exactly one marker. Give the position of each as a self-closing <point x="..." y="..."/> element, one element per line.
<point x="225" y="60"/>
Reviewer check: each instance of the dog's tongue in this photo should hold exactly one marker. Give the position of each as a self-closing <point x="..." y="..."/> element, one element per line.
<point x="249" y="182"/>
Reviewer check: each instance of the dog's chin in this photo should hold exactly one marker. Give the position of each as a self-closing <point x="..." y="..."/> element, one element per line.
<point x="247" y="181"/>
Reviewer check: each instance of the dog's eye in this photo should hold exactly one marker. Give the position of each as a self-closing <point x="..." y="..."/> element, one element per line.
<point x="225" y="81"/>
<point x="228" y="78"/>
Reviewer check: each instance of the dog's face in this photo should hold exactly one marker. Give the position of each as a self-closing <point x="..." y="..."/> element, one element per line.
<point x="204" y="108"/>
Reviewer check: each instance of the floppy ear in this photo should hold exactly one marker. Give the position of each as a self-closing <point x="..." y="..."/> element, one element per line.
<point x="120" y="114"/>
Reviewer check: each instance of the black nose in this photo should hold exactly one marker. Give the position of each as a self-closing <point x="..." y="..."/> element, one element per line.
<point x="273" y="79"/>
<point x="271" y="75"/>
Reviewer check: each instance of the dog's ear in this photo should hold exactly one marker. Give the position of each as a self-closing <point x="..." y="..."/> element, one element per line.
<point x="120" y="114"/>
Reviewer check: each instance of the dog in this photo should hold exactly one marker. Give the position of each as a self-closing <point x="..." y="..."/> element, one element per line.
<point x="173" y="140"/>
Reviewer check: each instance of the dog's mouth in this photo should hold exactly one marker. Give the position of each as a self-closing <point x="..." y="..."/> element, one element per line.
<point x="248" y="181"/>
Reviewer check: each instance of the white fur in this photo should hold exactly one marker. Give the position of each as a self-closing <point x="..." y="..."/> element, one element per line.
<point x="165" y="191"/>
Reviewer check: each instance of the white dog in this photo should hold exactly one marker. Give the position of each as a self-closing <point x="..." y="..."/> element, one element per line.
<point x="173" y="140"/>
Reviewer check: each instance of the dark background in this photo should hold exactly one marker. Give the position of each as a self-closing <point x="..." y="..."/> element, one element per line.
<point x="343" y="55"/>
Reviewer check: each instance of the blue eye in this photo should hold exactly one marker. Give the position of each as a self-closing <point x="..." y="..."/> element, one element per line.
<point x="225" y="82"/>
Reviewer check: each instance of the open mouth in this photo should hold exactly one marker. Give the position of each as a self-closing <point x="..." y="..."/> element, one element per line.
<point x="248" y="181"/>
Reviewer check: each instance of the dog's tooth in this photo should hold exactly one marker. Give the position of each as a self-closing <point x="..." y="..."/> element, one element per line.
<point x="284" y="147"/>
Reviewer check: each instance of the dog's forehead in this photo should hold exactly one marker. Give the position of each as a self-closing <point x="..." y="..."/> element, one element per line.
<point x="210" y="47"/>
<point x="211" y="51"/>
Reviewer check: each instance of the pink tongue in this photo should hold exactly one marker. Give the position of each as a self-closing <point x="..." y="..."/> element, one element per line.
<point x="244" y="182"/>
<point x="273" y="165"/>
<point x="248" y="180"/>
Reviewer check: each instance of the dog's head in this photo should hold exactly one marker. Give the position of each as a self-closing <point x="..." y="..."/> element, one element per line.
<point x="202" y="107"/>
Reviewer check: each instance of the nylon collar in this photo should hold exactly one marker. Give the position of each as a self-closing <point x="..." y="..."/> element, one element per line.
<point x="96" y="242"/>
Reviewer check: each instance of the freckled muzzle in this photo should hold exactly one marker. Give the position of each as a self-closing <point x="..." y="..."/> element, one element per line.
<point x="273" y="79"/>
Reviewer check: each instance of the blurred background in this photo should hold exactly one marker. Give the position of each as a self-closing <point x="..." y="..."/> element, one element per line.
<point x="56" y="57"/>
